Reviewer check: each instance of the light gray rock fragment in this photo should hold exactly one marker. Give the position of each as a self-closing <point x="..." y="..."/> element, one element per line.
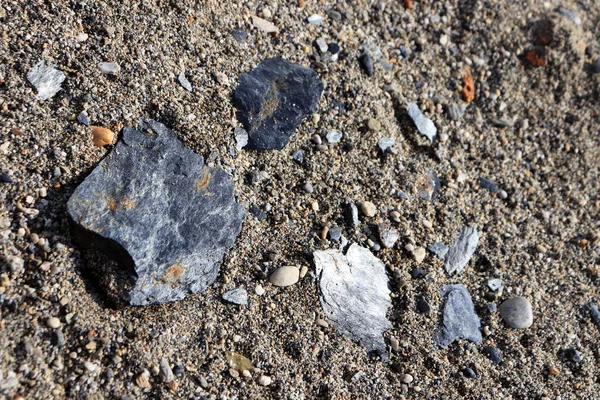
<point x="388" y="235"/>
<point x="355" y="295"/>
<point x="184" y="82"/>
<point x="570" y="15"/>
<point x="236" y="296"/>
<point x="156" y="208"/>
<point x="462" y="250"/>
<point x="494" y="284"/>
<point x="241" y="138"/>
<point x="459" y="319"/>
<point x="439" y="249"/>
<point x="109" y="68"/>
<point x="455" y="111"/>
<point x="385" y="143"/>
<point x="165" y="371"/>
<point x="334" y="136"/>
<point x="46" y="80"/>
<point x="424" y="125"/>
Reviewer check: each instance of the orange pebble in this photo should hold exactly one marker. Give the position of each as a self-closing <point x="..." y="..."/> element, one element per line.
<point x="408" y="4"/>
<point x="468" y="90"/>
<point x="535" y="58"/>
<point x="101" y="136"/>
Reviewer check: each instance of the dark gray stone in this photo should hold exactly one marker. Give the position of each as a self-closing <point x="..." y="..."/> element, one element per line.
<point x="492" y="353"/>
<point x="83" y="119"/>
<point x="418" y="273"/>
<point x="257" y="212"/>
<point x="156" y="208"/>
<point x="596" y="65"/>
<point x="239" y="35"/>
<point x="469" y="373"/>
<point x="366" y="63"/>
<point x="5" y="178"/>
<point x="355" y="295"/>
<point x="422" y="305"/>
<point x="273" y="99"/>
<point x="489" y="185"/>
<point x="352" y="214"/>
<point x="572" y="355"/>
<point x="335" y="233"/>
<point x="594" y="313"/>
<point x="460" y="321"/>
<point x="455" y="111"/>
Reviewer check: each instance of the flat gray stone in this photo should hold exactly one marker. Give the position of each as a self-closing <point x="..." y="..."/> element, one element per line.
<point x="462" y="250"/>
<point x="273" y="99"/>
<point x="439" y="249"/>
<point x="236" y="296"/>
<point x="388" y="235"/>
<point x="183" y="81"/>
<point x="459" y="319"/>
<point x="517" y="312"/>
<point x="355" y="295"/>
<point x="424" y="125"/>
<point x="46" y="80"/>
<point x="157" y="209"/>
<point x="385" y="143"/>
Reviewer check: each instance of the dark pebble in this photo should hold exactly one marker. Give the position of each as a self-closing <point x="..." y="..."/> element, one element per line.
<point x="178" y="370"/>
<point x="366" y="63"/>
<point x="418" y="273"/>
<point x="109" y="374"/>
<point x="469" y="373"/>
<point x="239" y="35"/>
<point x="404" y="51"/>
<point x="594" y="313"/>
<point x="596" y="65"/>
<point x="6" y="178"/>
<point x="298" y="156"/>
<point x="573" y="355"/>
<point x="492" y="353"/>
<point x="488" y="185"/>
<point x="423" y="306"/>
<point x="83" y="119"/>
<point x="333" y="47"/>
<point x="257" y="212"/>
<point x="58" y="339"/>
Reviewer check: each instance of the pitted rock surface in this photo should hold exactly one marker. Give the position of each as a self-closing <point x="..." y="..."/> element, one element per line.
<point x="155" y="207"/>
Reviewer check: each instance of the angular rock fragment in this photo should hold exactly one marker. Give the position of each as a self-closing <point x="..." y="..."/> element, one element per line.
<point x="439" y="249"/>
<point x="183" y="81"/>
<point x="236" y="296"/>
<point x="459" y="319"/>
<point x="388" y="235"/>
<point x="424" y="125"/>
<point x="594" y="313"/>
<point x="273" y="99"/>
<point x="366" y="63"/>
<point x="385" y="143"/>
<point x="462" y="250"/>
<point x="241" y="138"/>
<point x="264" y="25"/>
<point x="489" y="185"/>
<point x="46" y="80"/>
<point x="355" y="295"/>
<point x="155" y="207"/>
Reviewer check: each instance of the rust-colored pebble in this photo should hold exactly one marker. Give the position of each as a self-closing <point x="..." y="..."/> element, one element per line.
<point x="101" y="136"/>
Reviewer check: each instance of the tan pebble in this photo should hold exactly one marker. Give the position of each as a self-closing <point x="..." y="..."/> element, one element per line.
<point x="303" y="271"/>
<point x="374" y="125"/>
<point x="247" y="374"/>
<point x="101" y="136"/>
<point x="419" y="254"/>
<point x="322" y="323"/>
<point x="324" y="233"/>
<point x="285" y="276"/>
<point x="368" y="209"/>
<point x="234" y="373"/>
<point x="315" y="206"/>
<point x="395" y="344"/>
<point x="53" y="323"/>
<point x="541" y="248"/>
<point x="264" y="380"/>
<point x="553" y="371"/>
<point x="427" y="223"/>
<point x="143" y="382"/>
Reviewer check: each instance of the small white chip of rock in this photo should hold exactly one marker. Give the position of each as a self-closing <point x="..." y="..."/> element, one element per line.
<point x="46" y="80"/>
<point x="285" y="276"/>
<point x="241" y="138"/>
<point x="264" y="25"/>
<point x="236" y="296"/>
<point x="259" y="290"/>
<point x="184" y="82"/>
<point x="264" y="380"/>
<point x="385" y="143"/>
<point x="315" y="19"/>
<point x="109" y="68"/>
<point x="334" y="136"/>
<point x="355" y="295"/>
<point x="495" y="284"/>
<point x="424" y="125"/>
<point x="462" y="250"/>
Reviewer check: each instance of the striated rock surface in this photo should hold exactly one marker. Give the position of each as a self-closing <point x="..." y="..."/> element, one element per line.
<point x="273" y="99"/>
<point x="155" y="207"/>
<point x="460" y="321"/>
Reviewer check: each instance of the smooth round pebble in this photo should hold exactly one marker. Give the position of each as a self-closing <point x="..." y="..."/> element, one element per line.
<point x="101" y="136"/>
<point x="259" y="290"/>
<point x="406" y="378"/>
<point x="368" y="209"/>
<point x="264" y="380"/>
<point x="53" y="323"/>
<point x="285" y="276"/>
<point x="374" y="125"/>
<point x="517" y="312"/>
<point x="492" y="353"/>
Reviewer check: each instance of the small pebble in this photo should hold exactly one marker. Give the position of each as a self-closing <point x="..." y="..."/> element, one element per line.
<point x="264" y="380"/>
<point x="109" y="68"/>
<point x="334" y="136"/>
<point x="259" y="290"/>
<point x="418" y="273"/>
<point x="373" y="125"/>
<point x="298" y="156"/>
<point x="308" y="187"/>
<point x="386" y="143"/>
<point x="333" y="48"/>
<point x="101" y="136"/>
<point x="165" y="371"/>
<point x="303" y="271"/>
<point x="53" y="323"/>
<point x="419" y="254"/>
<point x="406" y="378"/>
<point x="82" y="118"/>
<point x="596" y="65"/>
<point x="492" y="353"/>
<point x="469" y="373"/>
<point x="573" y="355"/>
<point x="366" y="63"/>
<point x="316" y="139"/>
<point x="368" y="209"/>
<point x="285" y="276"/>
<point x="517" y="312"/>
<point x="315" y="19"/>
<point x="553" y="371"/>
<point x="495" y="284"/>
<point x="184" y="82"/>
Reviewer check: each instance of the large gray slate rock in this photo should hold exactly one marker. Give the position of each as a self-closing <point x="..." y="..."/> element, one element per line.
<point x="460" y="321"/>
<point x="355" y="295"/>
<point x="154" y="205"/>
<point x="273" y="99"/>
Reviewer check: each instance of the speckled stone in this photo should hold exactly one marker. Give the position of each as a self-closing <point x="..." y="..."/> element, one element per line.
<point x="517" y="312"/>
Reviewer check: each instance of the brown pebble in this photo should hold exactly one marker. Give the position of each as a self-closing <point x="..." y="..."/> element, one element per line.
<point x="553" y="371"/>
<point x="101" y="136"/>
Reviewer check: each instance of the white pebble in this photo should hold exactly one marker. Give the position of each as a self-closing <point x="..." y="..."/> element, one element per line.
<point x="53" y="322"/>
<point x="109" y="68"/>
<point x="259" y="290"/>
<point x="315" y="19"/>
<point x="264" y="380"/>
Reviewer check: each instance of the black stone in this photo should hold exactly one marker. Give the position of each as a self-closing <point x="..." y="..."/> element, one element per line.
<point x="178" y="370"/>
<point x="596" y="65"/>
<point x="5" y="178"/>
<point x="594" y="313"/>
<point x="273" y="99"/>
<point x="333" y="47"/>
<point x="572" y="355"/>
<point x="469" y="373"/>
<point x="257" y="212"/>
<point x="418" y="273"/>
<point x="83" y="119"/>
<point x="335" y="233"/>
<point x="57" y="338"/>
<point x="423" y="306"/>
<point x="488" y="185"/>
<point x="492" y="353"/>
<point x="157" y="209"/>
<point x="366" y="63"/>
<point x="239" y="35"/>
